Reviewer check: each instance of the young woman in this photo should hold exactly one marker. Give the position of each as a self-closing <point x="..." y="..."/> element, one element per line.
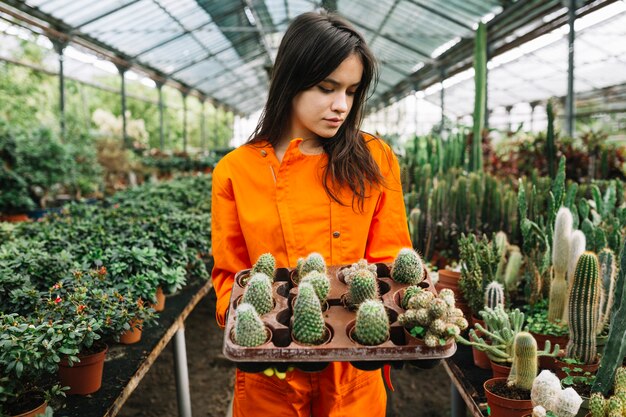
<point x="309" y="181"/>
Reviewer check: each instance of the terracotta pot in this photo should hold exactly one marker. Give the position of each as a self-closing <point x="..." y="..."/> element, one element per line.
<point x="499" y="370"/>
<point x="85" y="377"/>
<point x="559" y="365"/>
<point x="541" y="340"/>
<point x="505" y="407"/>
<point x="14" y="218"/>
<point x="481" y="359"/>
<point x="449" y="279"/>
<point x="160" y="296"/>
<point x="132" y="335"/>
<point x="34" y="412"/>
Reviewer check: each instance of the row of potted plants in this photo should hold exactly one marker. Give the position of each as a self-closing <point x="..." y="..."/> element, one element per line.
<point x="91" y="274"/>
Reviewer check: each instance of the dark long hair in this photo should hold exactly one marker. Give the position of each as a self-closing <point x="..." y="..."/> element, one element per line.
<point x="314" y="45"/>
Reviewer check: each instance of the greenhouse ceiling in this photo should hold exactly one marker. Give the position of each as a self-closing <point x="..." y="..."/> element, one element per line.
<point x="224" y="50"/>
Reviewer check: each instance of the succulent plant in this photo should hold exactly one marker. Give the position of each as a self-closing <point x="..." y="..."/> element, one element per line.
<point x="433" y="318"/>
<point x="597" y="405"/>
<point x="320" y="283"/>
<point x="361" y="264"/>
<point x="363" y="286"/>
<point x="266" y="265"/>
<point x="308" y="322"/>
<point x="313" y="262"/>
<point x="584" y="309"/>
<point x="568" y="403"/>
<point x="372" y="324"/>
<point x="512" y="272"/>
<point x="606" y="257"/>
<point x="494" y="295"/>
<point x="258" y="292"/>
<point x="408" y="293"/>
<point x="249" y="330"/>
<point x="525" y="364"/>
<point x="560" y="258"/>
<point x="408" y="267"/>
<point x="545" y="390"/>
<point x="576" y="248"/>
<point x="620" y="380"/>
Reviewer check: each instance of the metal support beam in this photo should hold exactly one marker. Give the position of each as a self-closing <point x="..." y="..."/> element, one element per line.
<point x="385" y="19"/>
<point x="442" y="96"/>
<point x="182" y="375"/>
<point x="159" y="85"/>
<point x="59" y="47"/>
<point x="122" y="70"/>
<point x="440" y="14"/>
<point x="215" y="126"/>
<point x="508" y="118"/>
<point x="569" y="102"/>
<point x="262" y="31"/>
<point x="203" y="124"/>
<point x="184" y="94"/>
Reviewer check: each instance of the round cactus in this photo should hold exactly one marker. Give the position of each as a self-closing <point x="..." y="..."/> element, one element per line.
<point x="421" y="300"/>
<point x="320" y="283"/>
<point x="361" y="264"/>
<point x="259" y="293"/>
<point x="568" y="403"/>
<point x="614" y="407"/>
<point x="372" y="323"/>
<point x="408" y="293"/>
<point x="620" y="379"/>
<point x="597" y="405"/>
<point x="249" y="330"/>
<point x="447" y="295"/>
<point x="437" y="308"/>
<point x="308" y="322"/>
<point x="408" y="267"/>
<point x="363" y="286"/>
<point x="524" y="368"/>
<point x="266" y="265"/>
<point x="545" y="390"/>
<point x="313" y="262"/>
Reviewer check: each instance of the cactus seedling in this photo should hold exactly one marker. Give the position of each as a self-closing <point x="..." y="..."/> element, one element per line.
<point x="249" y="330"/>
<point x="308" y="322"/>
<point x="320" y="283"/>
<point x="408" y="267"/>
<point x="524" y="368"/>
<point x="372" y="323"/>
<point x="266" y="265"/>
<point x="363" y="286"/>
<point x="313" y="262"/>
<point x="259" y="293"/>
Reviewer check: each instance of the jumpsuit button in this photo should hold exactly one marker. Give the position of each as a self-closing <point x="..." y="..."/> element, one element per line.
<point x="336" y="234"/>
<point x="264" y="153"/>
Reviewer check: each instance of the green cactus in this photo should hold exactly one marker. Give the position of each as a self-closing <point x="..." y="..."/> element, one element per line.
<point x="320" y="283"/>
<point x="494" y="295"/>
<point x="576" y="248"/>
<point x="614" y="407"/>
<point x="607" y="275"/>
<point x="308" y="321"/>
<point x="259" y="293"/>
<point x="408" y="267"/>
<point x="362" y="286"/>
<point x="408" y="293"/>
<point x="266" y="265"/>
<point x="524" y="368"/>
<point x="560" y="257"/>
<point x="597" y="405"/>
<point x="584" y="309"/>
<point x="249" y="330"/>
<point x="480" y="68"/>
<point x="502" y="244"/>
<point x="615" y="347"/>
<point x="372" y="323"/>
<point x="620" y="380"/>
<point x="313" y="262"/>
<point x="550" y="145"/>
<point x="361" y="264"/>
<point x="512" y="275"/>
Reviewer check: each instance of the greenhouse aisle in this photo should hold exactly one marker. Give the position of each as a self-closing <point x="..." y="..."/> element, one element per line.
<point x="211" y="379"/>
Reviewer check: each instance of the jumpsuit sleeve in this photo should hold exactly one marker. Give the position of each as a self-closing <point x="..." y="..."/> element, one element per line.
<point x="230" y="253"/>
<point x="389" y="231"/>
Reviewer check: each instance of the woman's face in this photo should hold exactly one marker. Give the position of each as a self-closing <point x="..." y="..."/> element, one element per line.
<point x="319" y="111"/>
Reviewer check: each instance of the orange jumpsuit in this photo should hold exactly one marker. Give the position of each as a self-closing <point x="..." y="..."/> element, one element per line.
<point x="260" y="205"/>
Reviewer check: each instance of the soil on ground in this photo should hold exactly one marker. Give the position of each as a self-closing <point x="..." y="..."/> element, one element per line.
<point x="418" y="393"/>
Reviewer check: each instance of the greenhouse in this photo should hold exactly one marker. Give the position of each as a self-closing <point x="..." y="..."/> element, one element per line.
<point x="312" y="208"/>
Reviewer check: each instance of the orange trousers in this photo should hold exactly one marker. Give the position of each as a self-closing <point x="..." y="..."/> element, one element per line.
<point x="338" y="390"/>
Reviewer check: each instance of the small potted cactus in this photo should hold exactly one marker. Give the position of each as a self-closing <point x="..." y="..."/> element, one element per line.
<point x="249" y="330"/>
<point x="259" y="293"/>
<point x="362" y="286"/>
<point x="308" y="327"/>
<point x="408" y="267"/>
<point x="510" y="397"/>
<point x="432" y="320"/>
<point x="313" y="262"/>
<point x="321" y="285"/>
<point x="265" y="264"/>
<point x="615" y="405"/>
<point x="494" y="296"/>
<point x="371" y="327"/>
<point x="549" y="399"/>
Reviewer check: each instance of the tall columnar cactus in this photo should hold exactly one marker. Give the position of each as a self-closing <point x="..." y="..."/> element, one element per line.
<point x="560" y="257"/>
<point x="362" y="286"/>
<point x="249" y="330"/>
<point x="266" y="265"/>
<point x="502" y="244"/>
<point x="308" y="321"/>
<point x="320" y="283"/>
<point x="584" y="309"/>
<point x="576" y="248"/>
<point x="313" y="262"/>
<point x="512" y="273"/>
<point x="408" y="267"/>
<point x="524" y="367"/>
<point x="550" y="145"/>
<point x="494" y="295"/>
<point x="259" y="293"/>
<point x="480" y="80"/>
<point x="615" y="347"/>
<point x="372" y="324"/>
<point x="606" y="257"/>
